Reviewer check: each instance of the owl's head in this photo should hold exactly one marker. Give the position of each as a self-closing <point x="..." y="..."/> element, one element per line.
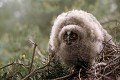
<point x="71" y="34"/>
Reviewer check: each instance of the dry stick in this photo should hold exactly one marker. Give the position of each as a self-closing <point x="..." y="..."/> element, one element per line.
<point x="7" y="65"/>
<point x="105" y="43"/>
<point x="114" y="59"/>
<point x="29" y="74"/>
<point x="67" y="76"/>
<point x="111" y="62"/>
<point x="35" y="70"/>
<point x="13" y="63"/>
<point x="42" y="57"/>
<point x="32" y="58"/>
<point x="103" y="76"/>
<point x="79" y="74"/>
<point x="109" y="72"/>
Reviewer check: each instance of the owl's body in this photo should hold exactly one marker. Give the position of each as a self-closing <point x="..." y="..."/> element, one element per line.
<point x="77" y="37"/>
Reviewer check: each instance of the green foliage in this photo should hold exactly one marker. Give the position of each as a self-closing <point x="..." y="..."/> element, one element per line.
<point x="54" y="70"/>
<point x="20" y="69"/>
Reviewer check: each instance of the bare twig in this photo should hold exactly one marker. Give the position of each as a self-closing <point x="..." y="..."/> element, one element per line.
<point x="109" y="72"/>
<point x="42" y="57"/>
<point x="103" y="76"/>
<point x="7" y="65"/>
<point x="79" y="74"/>
<point x="66" y="77"/>
<point x="35" y="70"/>
<point x="13" y="63"/>
<point x="32" y="58"/>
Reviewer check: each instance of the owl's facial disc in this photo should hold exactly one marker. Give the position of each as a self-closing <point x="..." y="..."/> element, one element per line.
<point x="70" y="37"/>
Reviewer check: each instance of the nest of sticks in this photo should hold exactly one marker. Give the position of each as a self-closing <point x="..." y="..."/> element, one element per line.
<point x="106" y="67"/>
<point x="107" y="63"/>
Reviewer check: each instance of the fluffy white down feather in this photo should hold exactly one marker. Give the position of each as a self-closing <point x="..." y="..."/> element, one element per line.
<point x="84" y="20"/>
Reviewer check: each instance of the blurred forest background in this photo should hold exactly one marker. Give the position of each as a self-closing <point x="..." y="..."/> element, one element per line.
<point x="24" y="19"/>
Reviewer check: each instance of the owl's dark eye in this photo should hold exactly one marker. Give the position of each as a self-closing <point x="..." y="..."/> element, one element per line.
<point x="73" y="36"/>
